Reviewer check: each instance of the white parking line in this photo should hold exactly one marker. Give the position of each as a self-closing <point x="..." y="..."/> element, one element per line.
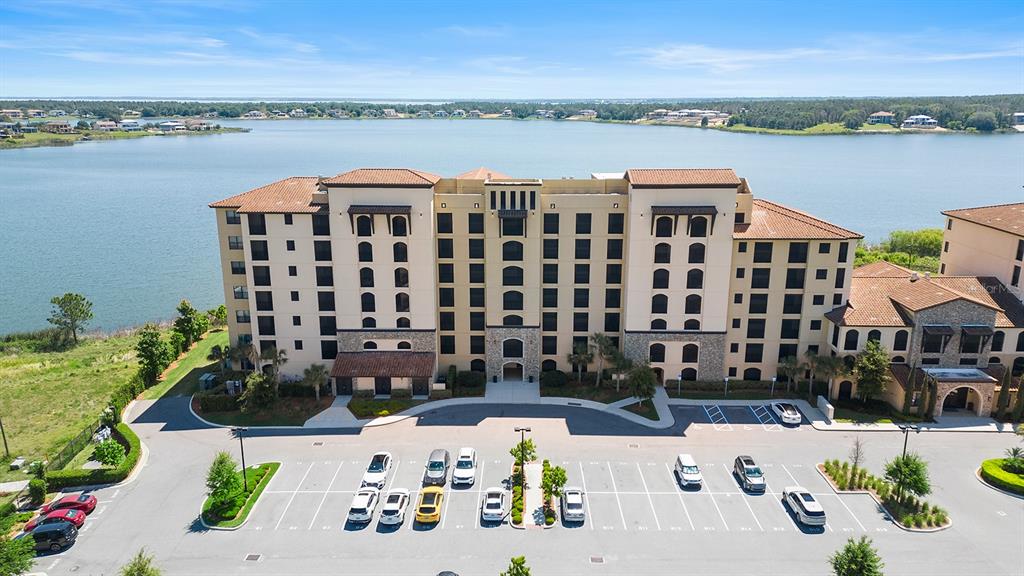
<point x="290" y="500"/>
<point x="583" y="481"/>
<point x="827" y="525"/>
<point x="720" y="515"/>
<point x="681" y="501"/>
<point x="649" y="499"/>
<point x="746" y="500"/>
<point x="765" y="417"/>
<point x="447" y="501"/>
<point x="717" y="418"/>
<point x="479" y="494"/>
<point x="328" y="491"/>
<point x="617" y="500"/>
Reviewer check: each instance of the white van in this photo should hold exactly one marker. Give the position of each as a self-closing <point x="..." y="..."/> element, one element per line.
<point x="687" y="472"/>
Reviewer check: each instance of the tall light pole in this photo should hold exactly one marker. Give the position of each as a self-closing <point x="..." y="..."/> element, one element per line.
<point x="522" y="456"/>
<point x="905" y="428"/>
<point x="679" y="385"/>
<point x="772" y="394"/>
<point x="239" y="431"/>
<point x="7" y="451"/>
<point x="726" y="386"/>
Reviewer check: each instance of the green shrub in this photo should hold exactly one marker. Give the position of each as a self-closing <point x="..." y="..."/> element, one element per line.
<point x="553" y="378"/>
<point x="517" y="517"/>
<point x="401" y="394"/>
<point x="470" y="379"/>
<point x="993" y="472"/>
<point x="453" y="377"/>
<point x="440" y="394"/>
<point x="217" y="403"/>
<point x="841" y="483"/>
<point x="108" y="452"/>
<point x="295" y="390"/>
<point x="37" y="491"/>
<point x="122" y="433"/>
<point x="362" y="393"/>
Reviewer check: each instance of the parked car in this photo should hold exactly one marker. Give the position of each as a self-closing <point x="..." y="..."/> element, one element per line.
<point x="749" y="474"/>
<point x="436" y="473"/>
<point x="687" y="472"/>
<point x="787" y="413"/>
<point x="802" y="503"/>
<point x="363" y="504"/>
<point x="76" y="517"/>
<point x="492" y="509"/>
<point x="52" y="537"/>
<point x="465" y="467"/>
<point x="572" y="505"/>
<point x="84" y="502"/>
<point x="376" y="474"/>
<point x="428" y="510"/>
<point x="395" y="503"/>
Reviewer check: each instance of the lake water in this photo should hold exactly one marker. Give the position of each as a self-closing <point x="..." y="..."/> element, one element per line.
<point x="126" y="222"/>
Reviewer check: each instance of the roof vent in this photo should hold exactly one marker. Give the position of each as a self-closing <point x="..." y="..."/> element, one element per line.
<point x="914" y="277"/>
<point x="928" y="275"/>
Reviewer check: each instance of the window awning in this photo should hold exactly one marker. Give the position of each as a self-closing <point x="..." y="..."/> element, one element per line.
<point x="938" y="330"/>
<point x="513" y="213"/>
<point x="977" y="330"/>
<point x="384" y="364"/>
<point x="684" y="210"/>
<point x="378" y="209"/>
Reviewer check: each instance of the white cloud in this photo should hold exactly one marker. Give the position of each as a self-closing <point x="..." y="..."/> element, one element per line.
<point x="716" y="59"/>
<point x="475" y="31"/>
<point x="279" y="41"/>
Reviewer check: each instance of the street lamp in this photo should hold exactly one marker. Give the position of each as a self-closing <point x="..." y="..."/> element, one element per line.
<point x="238" y="431"/>
<point x="679" y="385"/>
<point x="7" y="452"/>
<point x="905" y="428"/>
<point x="727" y="386"/>
<point x="772" y="393"/>
<point x="522" y="456"/>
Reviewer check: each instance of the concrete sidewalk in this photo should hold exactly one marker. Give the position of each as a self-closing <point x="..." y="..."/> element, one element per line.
<point x="533" y="498"/>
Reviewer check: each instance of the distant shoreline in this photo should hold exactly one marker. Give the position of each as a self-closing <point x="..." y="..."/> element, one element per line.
<point x="47" y="139"/>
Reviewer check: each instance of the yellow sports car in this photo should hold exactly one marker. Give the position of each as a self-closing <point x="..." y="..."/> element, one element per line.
<point x="428" y="509"/>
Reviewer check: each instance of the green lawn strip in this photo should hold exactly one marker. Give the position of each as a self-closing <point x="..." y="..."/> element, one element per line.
<point x="870" y="415"/>
<point x="255" y="490"/>
<point x="183" y="378"/>
<point x="469" y="391"/>
<point x="992" y="472"/>
<point x="878" y="128"/>
<point x="780" y="394"/>
<point x="826" y="128"/>
<point x="645" y="409"/>
<point x="605" y="394"/>
<point x="373" y="408"/>
<point x="285" y="412"/>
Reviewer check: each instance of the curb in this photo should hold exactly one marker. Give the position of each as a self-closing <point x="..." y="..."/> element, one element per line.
<point x="251" y="510"/>
<point x="882" y="506"/>
<point x="977" y="474"/>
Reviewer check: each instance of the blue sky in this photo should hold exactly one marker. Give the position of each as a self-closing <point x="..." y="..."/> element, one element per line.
<point x="494" y="50"/>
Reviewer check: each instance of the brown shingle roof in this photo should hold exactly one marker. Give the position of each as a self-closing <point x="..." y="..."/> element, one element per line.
<point x="1005" y="217"/>
<point x="293" y="194"/>
<point x="383" y="364"/>
<point x="777" y="222"/>
<point x="682" y="178"/>
<point x="483" y="173"/>
<point x="393" y="177"/>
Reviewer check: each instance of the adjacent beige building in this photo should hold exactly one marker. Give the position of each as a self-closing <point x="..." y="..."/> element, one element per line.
<point x="986" y="241"/>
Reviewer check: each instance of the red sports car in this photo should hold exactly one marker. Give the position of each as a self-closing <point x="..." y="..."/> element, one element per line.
<point x="84" y="502"/>
<point x="76" y="517"/>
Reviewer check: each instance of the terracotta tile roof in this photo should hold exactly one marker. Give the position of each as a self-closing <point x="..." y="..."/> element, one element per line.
<point x="1005" y="217"/>
<point x="881" y="269"/>
<point x="293" y="194"/>
<point x="483" y="173"/>
<point x="924" y="293"/>
<point x="396" y="177"/>
<point x="384" y="364"/>
<point x="775" y="221"/>
<point x="682" y="177"/>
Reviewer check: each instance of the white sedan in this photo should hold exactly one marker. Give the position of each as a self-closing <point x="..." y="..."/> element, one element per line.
<point x="363" y="505"/>
<point x="376" y="474"/>
<point x="492" y="509"/>
<point x="395" y="503"/>
<point x="787" y="413"/>
<point x="807" y="509"/>
<point x="572" y="505"/>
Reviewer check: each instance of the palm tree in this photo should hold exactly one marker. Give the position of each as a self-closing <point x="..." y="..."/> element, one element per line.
<point x="811" y="363"/>
<point x="790" y="367"/>
<point x="219" y="355"/>
<point x="276" y="358"/>
<point x="830" y="367"/>
<point x="580" y="357"/>
<point x="602" y="345"/>
<point x="247" y="352"/>
<point x="622" y="366"/>
<point x="315" y="376"/>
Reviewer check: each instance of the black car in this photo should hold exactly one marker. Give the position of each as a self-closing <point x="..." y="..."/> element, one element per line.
<point x="53" y="537"/>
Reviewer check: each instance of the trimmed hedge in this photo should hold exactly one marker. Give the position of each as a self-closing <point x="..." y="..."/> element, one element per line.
<point x="469" y="379"/>
<point x="440" y="394"/>
<point x="553" y="378"/>
<point x="296" y="391"/>
<point x="992" y="472"/>
<point x="217" y="403"/>
<point x="122" y="433"/>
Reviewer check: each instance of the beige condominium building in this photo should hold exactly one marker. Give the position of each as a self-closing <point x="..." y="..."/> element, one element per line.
<point x="390" y="276"/>
<point x="988" y="241"/>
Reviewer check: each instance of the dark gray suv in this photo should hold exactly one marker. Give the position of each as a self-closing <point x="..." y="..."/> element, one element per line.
<point x="52" y="537"/>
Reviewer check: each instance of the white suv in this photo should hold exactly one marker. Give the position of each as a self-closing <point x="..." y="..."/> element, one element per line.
<point x="363" y="505"/>
<point x="465" y="467"/>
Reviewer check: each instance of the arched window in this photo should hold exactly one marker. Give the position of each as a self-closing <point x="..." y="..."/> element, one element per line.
<point x="699" y="227"/>
<point x="998" y="339"/>
<point x="512" y="276"/>
<point x="401" y="302"/>
<point x="512" y="300"/>
<point x="658" y="324"/>
<point x="366" y="278"/>
<point x="401" y="252"/>
<point x="512" y="251"/>
<point x="899" y="343"/>
<point x="875" y="335"/>
<point x="478" y="365"/>
<point x="995" y="360"/>
<point x="690" y="352"/>
<point x="659" y="304"/>
<point x="663" y="227"/>
<point x="369" y="323"/>
<point x="656" y="353"/>
<point x="403" y="322"/>
<point x="401" y="278"/>
<point x="660" y="279"/>
<point x="691" y="325"/>
<point x="850" y="343"/>
<point x="369" y="345"/>
<point x="368" y="302"/>
<point x="1018" y="366"/>
<point x="696" y="255"/>
<point x="898" y="360"/>
<point x="692" y="304"/>
<point x="849" y="362"/>
<point x="548" y="366"/>
<point x="689" y="374"/>
<point x="512" y="320"/>
<point x="399" y="227"/>
<point x="752" y="374"/>
<point x="695" y="279"/>
<point x="365" y="252"/>
<point x="364" y="226"/>
<point x="1020" y="342"/>
<point x="662" y="253"/>
<point x="404" y="346"/>
<point x="512" y="348"/>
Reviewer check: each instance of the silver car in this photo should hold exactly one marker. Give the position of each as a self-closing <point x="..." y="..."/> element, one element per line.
<point x="807" y="509"/>
<point x="436" y="470"/>
<point x="572" y="505"/>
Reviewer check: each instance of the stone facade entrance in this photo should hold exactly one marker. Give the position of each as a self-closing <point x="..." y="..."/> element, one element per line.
<point x="513" y="345"/>
<point x="960" y="397"/>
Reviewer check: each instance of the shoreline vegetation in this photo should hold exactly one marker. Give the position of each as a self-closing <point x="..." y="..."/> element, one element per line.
<point x="46" y="139"/>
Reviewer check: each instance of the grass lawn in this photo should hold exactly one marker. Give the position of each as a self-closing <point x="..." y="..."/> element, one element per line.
<point x="879" y="128"/>
<point x="82" y="457"/>
<point x="825" y="128"/>
<point x="780" y="393"/>
<point x="870" y="415"/>
<point x="469" y="391"/>
<point x="645" y="409"/>
<point x="286" y="412"/>
<point x="605" y="393"/>
<point x="46" y="398"/>
<point x="258" y="476"/>
<point x="182" y="378"/>
<point x="372" y="408"/>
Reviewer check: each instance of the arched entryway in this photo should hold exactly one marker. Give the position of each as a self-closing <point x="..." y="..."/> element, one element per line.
<point x="660" y="375"/>
<point x="512" y="372"/>
<point x="964" y="399"/>
<point x="845" y="390"/>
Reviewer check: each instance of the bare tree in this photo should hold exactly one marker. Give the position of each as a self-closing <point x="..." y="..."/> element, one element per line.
<point x="857" y="452"/>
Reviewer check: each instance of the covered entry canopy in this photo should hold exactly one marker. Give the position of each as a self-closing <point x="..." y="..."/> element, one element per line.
<point x="383" y="364"/>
